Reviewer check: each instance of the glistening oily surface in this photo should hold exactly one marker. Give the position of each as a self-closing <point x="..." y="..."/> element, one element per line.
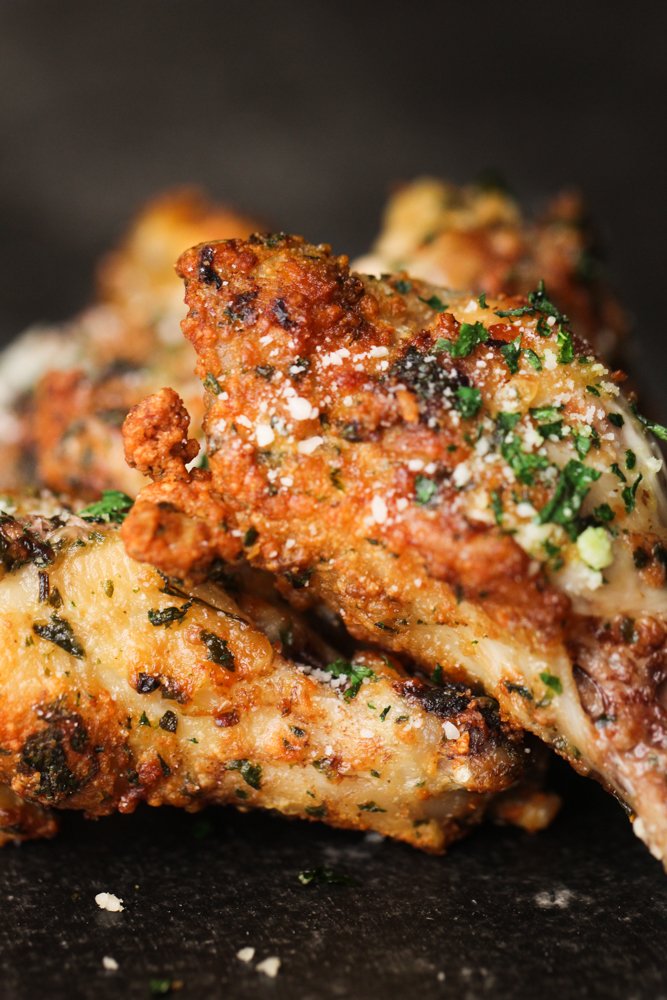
<point x="503" y="915"/>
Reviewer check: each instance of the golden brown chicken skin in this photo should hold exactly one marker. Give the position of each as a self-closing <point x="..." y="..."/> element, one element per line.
<point x="64" y="391"/>
<point x="119" y="688"/>
<point x="477" y="237"/>
<point x="461" y="480"/>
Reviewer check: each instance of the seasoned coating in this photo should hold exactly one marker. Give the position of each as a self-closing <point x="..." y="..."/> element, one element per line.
<point x="476" y="237"/>
<point x="462" y="481"/>
<point x="64" y="391"/>
<point x="119" y="687"/>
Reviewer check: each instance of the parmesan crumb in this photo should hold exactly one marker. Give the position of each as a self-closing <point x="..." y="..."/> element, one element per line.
<point x="264" y="435"/>
<point x="110" y="964"/>
<point x="300" y="408"/>
<point x="246" y="954"/>
<point x="450" y="731"/>
<point x="269" y="966"/>
<point x="107" y="901"/>
<point x="379" y="510"/>
<point x="309" y="445"/>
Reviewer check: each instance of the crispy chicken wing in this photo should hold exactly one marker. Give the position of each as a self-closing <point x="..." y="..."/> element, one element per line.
<point x="119" y="688"/>
<point x="476" y="237"/>
<point x="462" y="480"/>
<point x="64" y="391"/>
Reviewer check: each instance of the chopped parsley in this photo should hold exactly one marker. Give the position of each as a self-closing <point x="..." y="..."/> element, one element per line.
<point x="630" y="459"/>
<point x="59" y="631"/>
<point x="593" y="389"/>
<point x="167" y="616"/>
<point x="425" y="490"/>
<point x="511" y="353"/>
<point x="211" y="383"/>
<point x="629" y="494"/>
<point x="434" y="303"/>
<point x="549" y="420"/>
<point x="384" y="713"/>
<point x="113" y="507"/>
<point x="571" y="490"/>
<point x="371" y="807"/>
<point x="325" y="876"/>
<point x="584" y="438"/>
<point x="468" y="401"/>
<point x="481" y="301"/>
<point x="251" y="773"/>
<point x="603" y="513"/>
<point x="403" y="287"/>
<point x="497" y="506"/>
<point x="551" y="681"/>
<point x="356" y="672"/>
<point x="565" y="347"/>
<point x="616" y="419"/>
<point x="533" y="359"/>
<point x="470" y="335"/>
<point x="523" y="464"/>
<point x="218" y="650"/>
<point x="658" y="429"/>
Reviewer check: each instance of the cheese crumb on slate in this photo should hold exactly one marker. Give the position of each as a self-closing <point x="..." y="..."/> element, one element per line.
<point x="107" y="901"/>
<point x="246" y="954"/>
<point x="269" y="966"/>
<point x="110" y="963"/>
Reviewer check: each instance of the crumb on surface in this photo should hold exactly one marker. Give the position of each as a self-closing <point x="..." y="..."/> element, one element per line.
<point x="110" y="964"/>
<point x="246" y="954"/>
<point x="108" y="901"/>
<point x="269" y="966"/>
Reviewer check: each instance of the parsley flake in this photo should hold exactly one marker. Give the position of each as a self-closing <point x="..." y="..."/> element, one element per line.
<point x="572" y="487"/>
<point x="113" y="507"/>
<point x="468" y="401"/>
<point x="356" y="672"/>
<point x="470" y="335"/>
<point x="425" y="490"/>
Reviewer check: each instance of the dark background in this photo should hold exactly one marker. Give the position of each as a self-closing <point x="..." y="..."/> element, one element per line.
<point x="305" y="113"/>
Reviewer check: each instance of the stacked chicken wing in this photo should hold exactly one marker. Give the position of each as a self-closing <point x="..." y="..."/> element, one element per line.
<point x="456" y="477"/>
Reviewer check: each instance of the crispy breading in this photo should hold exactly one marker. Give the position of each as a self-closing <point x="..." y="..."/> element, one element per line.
<point x="62" y="414"/>
<point x="477" y="237"/>
<point x="120" y="687"/>
<point x="462" y="481"/>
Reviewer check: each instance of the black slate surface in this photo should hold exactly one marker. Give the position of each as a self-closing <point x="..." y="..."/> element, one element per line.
<point x="305" y="113"/>
<point x="580" y="910"/>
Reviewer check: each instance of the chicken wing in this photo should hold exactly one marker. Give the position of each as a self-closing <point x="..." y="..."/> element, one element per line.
<point x="476" y="237"/>
<point x="64" y="391"/>
<point x="119" y="688"/>
<point x="459" y="477"/>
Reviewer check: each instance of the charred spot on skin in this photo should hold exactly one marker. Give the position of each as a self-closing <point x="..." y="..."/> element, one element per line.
<point x="299" y="579"/>
<point x="207" y="272"/>
<point x="169" y="722"/>
<point x="227" y="719"/>
<point x="171" y="690"/>
<point x="430" y="380"/>
<point x="44" y="752"/>
<point x="19" y="546"/>
<point x="448" y="699"/>
<point x="282" y="315"/>
<point x="242" y="309"/>
<point x="146" y="683"/>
